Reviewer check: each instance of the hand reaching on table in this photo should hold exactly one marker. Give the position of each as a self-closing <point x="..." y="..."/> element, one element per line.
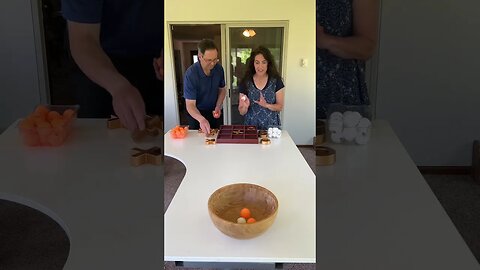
<point x="129" y="107"/>
<point x="205" y="126"/>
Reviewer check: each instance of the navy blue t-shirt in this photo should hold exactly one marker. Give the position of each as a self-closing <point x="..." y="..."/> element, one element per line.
<point x="128" y="27"/>
<point x="203" y="88"/>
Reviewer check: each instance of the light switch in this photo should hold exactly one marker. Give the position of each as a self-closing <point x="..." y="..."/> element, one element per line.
<point x="304" y="62"/>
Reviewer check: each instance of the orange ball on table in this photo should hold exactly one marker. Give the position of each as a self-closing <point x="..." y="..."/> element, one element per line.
<point x="31" y="139"/>
<point x="27" y="124"/>
<point x="55" y="140"/>
<point x="58" y="122"/>
<point x="68" y="114"/>
<point x="52" y="115"/>
<point x="41" y="110"/>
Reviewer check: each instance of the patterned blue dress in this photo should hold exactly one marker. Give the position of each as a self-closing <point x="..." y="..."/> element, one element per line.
<point x="257" y="115"/>
<point x="338" y="80"/>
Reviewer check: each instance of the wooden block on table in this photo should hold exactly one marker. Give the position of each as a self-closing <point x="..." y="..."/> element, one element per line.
<point x="146" y="156"/>
<point x="318" y="141"/>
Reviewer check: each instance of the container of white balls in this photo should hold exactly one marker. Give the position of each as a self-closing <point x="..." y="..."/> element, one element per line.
<point x="274" y="132"/>
<point x="349" y="124"/>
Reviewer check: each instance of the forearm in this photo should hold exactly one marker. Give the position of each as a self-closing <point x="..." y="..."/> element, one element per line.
<point x="221" y="97"/>
<point x="95" y="63"/>
<point x="194" y="112"/>
<point x="274" y="107"/>
<point x="354" y="47"/>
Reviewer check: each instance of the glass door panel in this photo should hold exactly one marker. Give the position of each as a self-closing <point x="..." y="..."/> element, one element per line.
<point x="240" y="47"/>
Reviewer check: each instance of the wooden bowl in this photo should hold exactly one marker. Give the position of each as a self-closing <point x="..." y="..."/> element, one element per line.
<point x="224" y="207"/>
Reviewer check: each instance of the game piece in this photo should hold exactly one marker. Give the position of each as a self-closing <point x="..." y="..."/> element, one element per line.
<point x="209" y="141"/>
<point x="151" y="156"/>
<point x="265" y="141"/>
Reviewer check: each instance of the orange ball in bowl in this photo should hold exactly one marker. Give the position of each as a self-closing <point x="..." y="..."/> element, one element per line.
<point x="245" y="213"/>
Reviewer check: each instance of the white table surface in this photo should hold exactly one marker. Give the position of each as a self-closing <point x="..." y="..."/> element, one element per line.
<point x="111" y="211"/>
<point x="190" y="234"/>
<point x="376" y="211"/>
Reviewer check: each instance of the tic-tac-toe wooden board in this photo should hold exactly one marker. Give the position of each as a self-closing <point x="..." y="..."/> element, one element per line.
<point x="237" y="134"/>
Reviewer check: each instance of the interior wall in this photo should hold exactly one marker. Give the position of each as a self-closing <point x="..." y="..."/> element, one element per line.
<point x="428" y="78"/>
<point x="299" y="110"/>
<point x="21" y="66"/>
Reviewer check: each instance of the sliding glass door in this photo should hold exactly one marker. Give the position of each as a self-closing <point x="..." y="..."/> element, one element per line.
<point x="240" y="41"/>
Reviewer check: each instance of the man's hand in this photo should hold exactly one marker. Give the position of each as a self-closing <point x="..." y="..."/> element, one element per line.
<point x="205" y="126"/>
<point x="217" y="112"/>
<point x="129" y="107"/>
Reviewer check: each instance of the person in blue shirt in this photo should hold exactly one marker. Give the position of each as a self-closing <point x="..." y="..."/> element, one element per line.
<point x="261" y="91"/>
<point x="204" y="89"/>
<point x="117" y="45"/>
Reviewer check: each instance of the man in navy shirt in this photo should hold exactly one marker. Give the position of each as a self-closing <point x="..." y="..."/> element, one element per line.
<point x="118" y="45"/>
<point x="204" y="89"/>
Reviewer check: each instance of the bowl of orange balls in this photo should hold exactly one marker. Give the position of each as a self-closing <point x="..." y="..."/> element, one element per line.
<point x="48" y="125"/>
<point x="242" y="211"/>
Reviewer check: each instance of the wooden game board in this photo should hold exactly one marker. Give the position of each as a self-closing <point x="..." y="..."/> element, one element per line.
<point x="237" y="134"/>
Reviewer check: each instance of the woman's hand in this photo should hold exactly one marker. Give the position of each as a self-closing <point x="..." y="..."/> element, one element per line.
<point x="322" y="38"/>
<point x="243" y="104"/>
<point x="262" y="102"/>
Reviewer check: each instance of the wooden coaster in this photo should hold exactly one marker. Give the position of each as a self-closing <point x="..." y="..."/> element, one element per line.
<point x="209" y="141"/>
<point x="265" y="141"/>
<point x="213" y="131"/>
<point x="149" y="156"/>
<point x="325" y="156"/>
<point x="318" y="140"/>
<point x="114" y="123"/>
<point x="320" y="127"/>
<point x="263" y="134"/>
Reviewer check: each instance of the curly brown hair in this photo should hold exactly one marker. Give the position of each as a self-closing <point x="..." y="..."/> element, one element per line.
<point x="250" y="69"/>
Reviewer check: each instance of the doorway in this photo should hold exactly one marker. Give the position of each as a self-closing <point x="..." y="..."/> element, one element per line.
<point x="185" y="39"/>
<point x="234" y="50"/>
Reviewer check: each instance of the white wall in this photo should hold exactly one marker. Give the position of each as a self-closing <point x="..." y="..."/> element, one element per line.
<point x="299" y="110"/>
<point x="21" y="87"/>
<point x="428" y="80"/>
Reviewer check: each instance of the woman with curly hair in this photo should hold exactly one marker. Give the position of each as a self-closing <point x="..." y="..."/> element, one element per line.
<point x="261" y="91"/>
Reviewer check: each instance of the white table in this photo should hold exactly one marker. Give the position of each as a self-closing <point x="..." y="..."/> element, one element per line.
<point x="376" y="211"/>
<point x="111" y="211"/>
<point x="190" y="235"/>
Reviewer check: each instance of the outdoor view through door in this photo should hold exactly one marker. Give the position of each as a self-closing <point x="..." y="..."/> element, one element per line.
<point x="242" y="40"/>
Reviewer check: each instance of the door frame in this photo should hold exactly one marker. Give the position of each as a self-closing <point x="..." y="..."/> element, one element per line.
<point x="224" y="40"/>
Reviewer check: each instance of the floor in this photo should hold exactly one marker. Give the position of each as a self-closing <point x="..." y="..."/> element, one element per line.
<point x="31" y="240"/>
